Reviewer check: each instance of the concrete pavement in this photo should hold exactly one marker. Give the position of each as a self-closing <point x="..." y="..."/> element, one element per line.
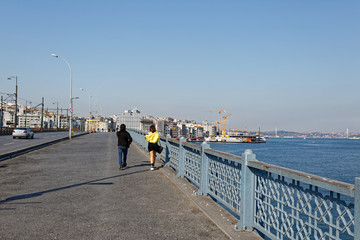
<point x="10" y="147"/>
<point x="75" y="190"/>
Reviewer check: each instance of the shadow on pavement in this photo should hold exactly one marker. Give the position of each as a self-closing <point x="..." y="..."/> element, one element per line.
<point x="101" y="183"/>
<point x="92" y="182"/>
<point x="138" y="165"/>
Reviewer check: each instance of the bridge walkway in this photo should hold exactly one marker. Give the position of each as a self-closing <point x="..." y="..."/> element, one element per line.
<point x="75" y="190"/>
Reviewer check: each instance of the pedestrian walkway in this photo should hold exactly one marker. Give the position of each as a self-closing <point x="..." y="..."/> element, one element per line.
<point x="75" y="190"/>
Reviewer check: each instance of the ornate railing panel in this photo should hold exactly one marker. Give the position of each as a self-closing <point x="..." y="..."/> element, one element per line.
<point x="296" y="205"/>
<point x="193" y="164"/>
<point x="225" y="182"/>
<point x="174" y="154"/>
<point x="291" y="210"/>
<point x="277" y="202"/>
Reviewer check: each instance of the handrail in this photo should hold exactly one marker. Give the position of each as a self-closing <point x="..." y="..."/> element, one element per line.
<point x="327" y="183"/>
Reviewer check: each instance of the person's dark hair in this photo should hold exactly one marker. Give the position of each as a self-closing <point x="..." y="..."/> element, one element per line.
<point x="122" y="127"/>
<point x="152" y="128"/>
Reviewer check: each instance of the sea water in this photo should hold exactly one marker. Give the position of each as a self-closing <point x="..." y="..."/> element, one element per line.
<point x="337" y="159"/>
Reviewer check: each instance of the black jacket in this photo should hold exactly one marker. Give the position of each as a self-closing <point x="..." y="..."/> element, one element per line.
<point x="124" y="138"/>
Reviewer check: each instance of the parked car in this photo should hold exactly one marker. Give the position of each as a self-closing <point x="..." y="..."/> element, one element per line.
<point x="22" y="132"/>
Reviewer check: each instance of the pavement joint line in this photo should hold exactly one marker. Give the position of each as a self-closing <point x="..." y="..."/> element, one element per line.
<point x="224" y="221"/>
<point x="22" y="151"/>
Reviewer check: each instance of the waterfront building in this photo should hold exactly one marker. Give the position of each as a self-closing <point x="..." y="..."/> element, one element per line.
<point x="79" y="124"/>
<point x="7" y="119"/>
<point x="145" y="124"/>
<point x="197" y="132"/>
<point x="31" y="120"/>
<point x="29" y="117"/>
<point x="63" y="121"/>
<point x="8" y="114"/>
<point x="93" y="124"/>
<point x="183" y="130"/>
<point x="160" y="126"/>
<point x="103" y="126"/>
<point x="90" y="125"/>
<point x="96" y="124"/>
<point x="209" y="129"/>
<point x="166" y="130"/>
<point x="174" y="130"/>
<point x="131" y="118"/>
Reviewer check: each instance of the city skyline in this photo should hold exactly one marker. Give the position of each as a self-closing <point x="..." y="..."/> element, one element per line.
<point x="284" y="65"/>
<point x="34" y="121"/>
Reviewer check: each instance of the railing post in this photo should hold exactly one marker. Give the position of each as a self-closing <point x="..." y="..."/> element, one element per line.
<point x="357" y="209"/>
<point x="181" y="167"/>
<point x="167" y="149"/>
<point x="143" y="141"/>
<point x="204" y="170"/>
<point x="247" y="193"/>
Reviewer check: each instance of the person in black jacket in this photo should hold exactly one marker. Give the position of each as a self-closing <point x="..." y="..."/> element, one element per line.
<point x="124" y="141"/>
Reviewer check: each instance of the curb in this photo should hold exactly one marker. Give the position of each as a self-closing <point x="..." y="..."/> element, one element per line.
<point x="9" y="155"/>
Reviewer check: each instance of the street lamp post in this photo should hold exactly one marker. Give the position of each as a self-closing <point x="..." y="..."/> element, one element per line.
<point x="90" y="115"/>
<point x="16" y="96"/>
<point x="71" y="98"/>
<point x="1" y="114"/>
<point x="82" y="89"/>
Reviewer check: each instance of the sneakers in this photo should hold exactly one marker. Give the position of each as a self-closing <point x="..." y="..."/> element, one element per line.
<point x="122" y="167"/>
<point x="152" y="168"/>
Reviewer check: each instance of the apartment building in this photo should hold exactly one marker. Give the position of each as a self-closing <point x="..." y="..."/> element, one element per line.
<point x="131" y="118"/>
<point x="145" y="124"/>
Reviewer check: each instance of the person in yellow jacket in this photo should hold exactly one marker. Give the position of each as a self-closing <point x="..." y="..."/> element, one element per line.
<point x="153" y="138"/>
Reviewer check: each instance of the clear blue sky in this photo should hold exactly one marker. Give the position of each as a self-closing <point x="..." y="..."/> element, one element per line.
<point x="291" y="65"/>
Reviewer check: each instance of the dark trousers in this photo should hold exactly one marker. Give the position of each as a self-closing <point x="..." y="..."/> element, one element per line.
<point x="122" y="155"/>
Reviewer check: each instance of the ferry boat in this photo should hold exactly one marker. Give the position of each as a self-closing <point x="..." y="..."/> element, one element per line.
<point x="255" y="139"/>
<point x="238" y="139"/>
<point x="224" y="139"/>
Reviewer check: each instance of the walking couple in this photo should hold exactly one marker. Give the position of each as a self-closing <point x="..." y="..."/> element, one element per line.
<point x="124" y="141"/>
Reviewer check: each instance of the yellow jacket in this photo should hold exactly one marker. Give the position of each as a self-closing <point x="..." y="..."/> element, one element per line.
<point x="153" y="137"/>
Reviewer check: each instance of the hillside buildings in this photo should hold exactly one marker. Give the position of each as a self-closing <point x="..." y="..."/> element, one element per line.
<point x="165" y="126"/>
<point x="36" y="118"/>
